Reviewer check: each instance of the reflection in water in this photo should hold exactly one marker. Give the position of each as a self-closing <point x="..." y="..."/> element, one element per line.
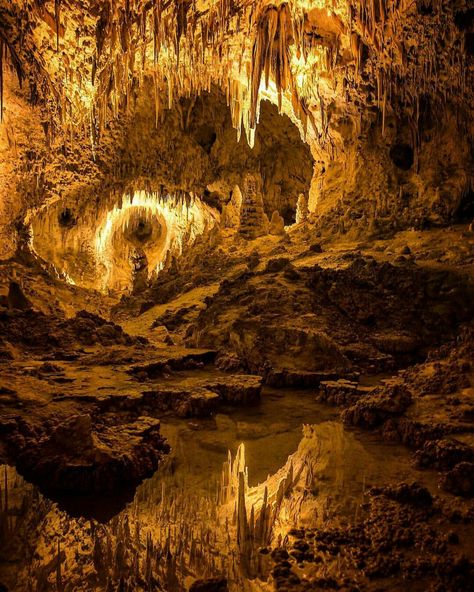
<point x="183" y="524"/>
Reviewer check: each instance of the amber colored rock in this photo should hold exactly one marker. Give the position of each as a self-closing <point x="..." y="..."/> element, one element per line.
<point x="460" y="479"/>
<point x="378" y="406"/>
<point x="78" y="459"/>
<point x="301" y="209"/>
<point x="277" y="224"/>
<point x="253" y="220"/>
<point x="230" y="216"/>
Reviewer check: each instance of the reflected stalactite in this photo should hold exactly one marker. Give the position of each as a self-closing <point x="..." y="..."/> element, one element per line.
<point x="186" y="524"/>
<point x="172" y="531"/>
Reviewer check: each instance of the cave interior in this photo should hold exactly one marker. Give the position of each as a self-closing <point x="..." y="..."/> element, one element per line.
<point x="236" y="295"/>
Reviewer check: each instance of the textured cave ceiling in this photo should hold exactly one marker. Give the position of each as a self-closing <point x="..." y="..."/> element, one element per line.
<point x="316" y="59"/>
<point x="380" y="91"/>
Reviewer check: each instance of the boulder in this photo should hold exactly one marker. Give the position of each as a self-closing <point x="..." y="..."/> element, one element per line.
<point x="342" y="393"/>
<point x="185" y="401"/>
<point x="278" y="264"/>
<point x="74" y="435"/>
<point x="385" y="402"/>
<point x="443" y="454"/>
<point x="237" y="389"/>
<point x="459" y="480"/>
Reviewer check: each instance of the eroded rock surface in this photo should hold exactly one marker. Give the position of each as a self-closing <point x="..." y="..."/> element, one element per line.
<point x="201" y="198"/>
<point x="70" y="456"/>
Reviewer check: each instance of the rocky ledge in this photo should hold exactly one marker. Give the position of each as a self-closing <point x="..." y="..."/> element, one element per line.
<point x="427" y="407"/>
<point x="78" y="458"/>
<point x="200" y="397"/>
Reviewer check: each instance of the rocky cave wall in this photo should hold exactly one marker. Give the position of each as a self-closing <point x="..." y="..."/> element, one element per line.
<point x="193" y="150"/>
<point x="381" y="94"/>
<point x="119" y="242"/>
<point x="379" y="185"/>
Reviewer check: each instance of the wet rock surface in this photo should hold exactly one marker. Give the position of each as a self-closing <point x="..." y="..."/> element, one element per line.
<point x="72" y="457"/>
<point x="81" y="396"/>
<point x="460" y="479"/>
<point x="418" y="408"/>
<point x="401" y="533"/>
<point x="381" y="404"/>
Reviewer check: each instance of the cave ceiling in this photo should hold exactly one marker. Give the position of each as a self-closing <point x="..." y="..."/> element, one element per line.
<point x="320" y="61"/>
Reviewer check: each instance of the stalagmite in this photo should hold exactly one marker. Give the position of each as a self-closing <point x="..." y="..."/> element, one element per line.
<point x="253" y="220"/>
<point x="301" y="209"/>
<point x="230" y="217"/>
<point x="277" y="224"/>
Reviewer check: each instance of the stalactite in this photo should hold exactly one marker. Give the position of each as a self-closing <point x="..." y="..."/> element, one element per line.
<point x="191" y="49"/>
<point x="270" y="55"/>
<point x="7" y="51"/>
<point x="1" y="78"/>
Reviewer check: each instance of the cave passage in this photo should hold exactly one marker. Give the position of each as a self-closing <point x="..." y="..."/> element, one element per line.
<point x="236" y="296"/>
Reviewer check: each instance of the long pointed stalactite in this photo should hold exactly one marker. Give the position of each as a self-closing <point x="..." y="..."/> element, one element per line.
<point x="239" y="45"/>
<point x="8" y="55"/>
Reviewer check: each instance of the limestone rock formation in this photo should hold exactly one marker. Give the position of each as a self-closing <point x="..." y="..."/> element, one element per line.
<point x="277" y="224"/>
<point x="301" y="208"/>
<point x="376" y="407"/>
<point x="73" y="459"/>
<point x="230" y="217"/>
<point x="253" y="220"/>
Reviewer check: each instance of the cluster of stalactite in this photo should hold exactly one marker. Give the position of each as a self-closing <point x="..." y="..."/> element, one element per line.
<point x="239" y="45"/>
<point x="155" y="539"/>
<point x="7" y="51"/>
<point x="254" y="529"/>
<point x="425" y="62"/>
<point x="164" y="536"/>
<point x="173" y="42"/>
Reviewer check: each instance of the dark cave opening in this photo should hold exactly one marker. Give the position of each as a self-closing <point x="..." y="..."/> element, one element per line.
<point x="402" y="156"/>
<point x="67" y="218"/>
<point x="465" y="211"/>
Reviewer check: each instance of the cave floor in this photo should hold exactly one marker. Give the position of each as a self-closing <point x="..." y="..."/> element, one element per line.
<point x="366" y="419"/>
<point x="354" y="529"/>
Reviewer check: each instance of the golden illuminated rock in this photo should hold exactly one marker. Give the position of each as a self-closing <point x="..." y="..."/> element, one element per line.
<point x="301" y="209"/>
<point x="253" y="220"/>
<point x="224" y="224"/>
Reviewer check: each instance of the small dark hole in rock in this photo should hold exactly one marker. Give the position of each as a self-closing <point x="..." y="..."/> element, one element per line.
<point x="66" y="218"/>
<point x="402" y="156"/>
